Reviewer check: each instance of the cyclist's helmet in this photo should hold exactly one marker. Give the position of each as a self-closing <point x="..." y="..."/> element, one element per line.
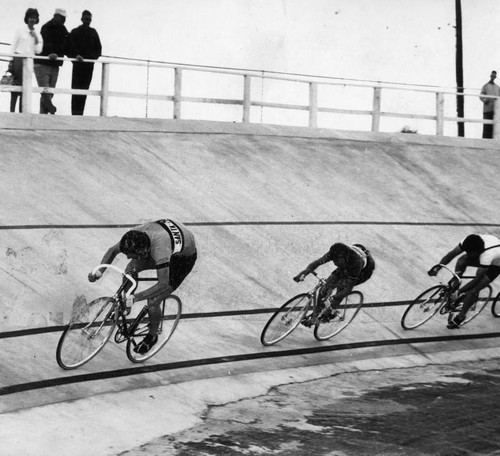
<point x="134" y="241"/>
<point x="473" y="243"/>
<point x="338" y="249"/>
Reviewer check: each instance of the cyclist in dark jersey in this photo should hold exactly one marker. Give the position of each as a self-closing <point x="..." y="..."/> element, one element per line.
<point x="164" y="245"/>
<point x="355" y="265"/>
<point x="477" y="250"/>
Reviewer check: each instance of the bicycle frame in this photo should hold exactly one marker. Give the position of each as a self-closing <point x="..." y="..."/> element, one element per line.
<point x="314" y="293"/>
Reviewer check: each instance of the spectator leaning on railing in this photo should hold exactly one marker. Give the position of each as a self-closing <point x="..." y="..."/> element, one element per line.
<point x="55" y="44"/>
<point x="26" y="41"/>
<point x="490" y="88"/>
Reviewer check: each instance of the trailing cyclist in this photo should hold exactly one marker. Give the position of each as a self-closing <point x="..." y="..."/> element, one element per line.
<point x="355" y="265"/>
<point x="165" y="245"/>
<point x="481" y="251"/>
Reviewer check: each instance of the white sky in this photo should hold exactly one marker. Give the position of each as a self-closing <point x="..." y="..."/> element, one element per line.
<point x="405" y="41"/>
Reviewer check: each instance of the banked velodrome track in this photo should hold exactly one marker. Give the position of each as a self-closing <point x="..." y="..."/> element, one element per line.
<point x="262" y="201"/>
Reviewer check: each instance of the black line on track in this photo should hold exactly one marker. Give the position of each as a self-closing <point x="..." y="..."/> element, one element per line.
<point x="52" y="382"/>
<point x="189" y="316"/>
<point x="259" y="223"/>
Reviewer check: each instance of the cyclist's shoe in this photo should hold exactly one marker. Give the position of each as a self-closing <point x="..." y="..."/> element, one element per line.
<point x="456" y="322"/>
<point x="146" y="344"/>
<point x="328" y="315"/>
<point x="307" y="321"/>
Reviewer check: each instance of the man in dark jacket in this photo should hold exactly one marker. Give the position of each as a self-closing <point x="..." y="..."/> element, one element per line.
<point x="85" y="44"/>
<point x="55" y="44"/>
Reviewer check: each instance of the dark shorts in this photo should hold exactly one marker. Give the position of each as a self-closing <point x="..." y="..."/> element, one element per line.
<point x="336" y="279"/>
<point x="180" y="267"/>
<point x="367" y="271"/>
<point x="492" y="271"/>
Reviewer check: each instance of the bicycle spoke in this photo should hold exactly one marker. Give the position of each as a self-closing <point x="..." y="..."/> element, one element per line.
<point x="333" y="321"/>
<point x="423" y="307"/>
<point x="482" y="300"/>
<point x="172" y="309"/>
<point x="87" y="333"/>
<point x="285" y="319"/>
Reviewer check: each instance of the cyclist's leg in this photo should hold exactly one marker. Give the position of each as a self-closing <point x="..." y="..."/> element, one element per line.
<point x="134" y="267"/>
<point x="331" y="283"/>
<point x="180" y="267"/>
<point x="472" y="294"/>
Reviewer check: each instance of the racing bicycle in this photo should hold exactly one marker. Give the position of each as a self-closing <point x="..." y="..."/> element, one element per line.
<point x="441" y="298"/>
<point x="92" y="325"/>
<point x="304" y="308"/>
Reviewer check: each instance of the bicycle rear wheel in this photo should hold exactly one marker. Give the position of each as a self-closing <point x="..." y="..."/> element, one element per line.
<point x="423" y="308"/>
<point x="172" y="310"/>
<point x="483" y="298"/>
<point x="495" y="307"/>
<point x="344" y="313"/>
<point x="285" y="319"/>
<point x="87" y="334"/>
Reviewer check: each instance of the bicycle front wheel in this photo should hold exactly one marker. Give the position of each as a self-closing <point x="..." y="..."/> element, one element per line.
<point x="344" y="314"/>
<point x="86" y="334"/>
<point x="495" y="307"/>
<point x="483" y="297"/>
<point x="285" y="319"/>
<point x="172" y="310"/>
<point x="423" y="308"/>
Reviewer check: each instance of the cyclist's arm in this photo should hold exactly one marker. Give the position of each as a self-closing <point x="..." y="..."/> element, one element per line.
<point x="110" y="255"/>
<point x="316" y="263"/>
<point x="161" y="288"/>
<point x="451" y="254"/>
<point x="347" y="285"/>
<point x="480" y="275"/>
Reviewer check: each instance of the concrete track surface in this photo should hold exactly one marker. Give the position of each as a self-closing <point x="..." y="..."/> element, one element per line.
<point x="263" y="201"/>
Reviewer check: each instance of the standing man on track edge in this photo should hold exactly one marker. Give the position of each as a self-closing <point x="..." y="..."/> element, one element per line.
<point x="165" y="245"/>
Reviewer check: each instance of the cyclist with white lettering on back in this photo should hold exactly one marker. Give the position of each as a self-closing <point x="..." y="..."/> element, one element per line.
<point x="165" y="245"/>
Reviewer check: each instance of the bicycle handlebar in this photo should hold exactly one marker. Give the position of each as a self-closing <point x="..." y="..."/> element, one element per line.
<point x="452" y="272"/>
<point x="321" y="279"/>
<point x="123" y="273"/>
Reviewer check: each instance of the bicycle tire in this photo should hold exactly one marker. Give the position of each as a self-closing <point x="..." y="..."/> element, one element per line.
<point x="495" y="306"/>
<point x="423" y="307"/>
<point x="285" y="319"/>
<point x="172" y="310"/>
<point x="345" y="314"/>
<point x="86" y="334"/>
<point x="483" y="297"/>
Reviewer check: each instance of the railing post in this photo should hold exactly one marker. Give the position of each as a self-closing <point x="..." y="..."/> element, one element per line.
<point x="177" y="93"/>
<point x="496" y="120"/>
<point x="313" y="105"/>
<point x="104" y="89"/>
<point x="439" y="114"/>
<point x="27" y="85"/>
<point x="377" y="96"/>
<point x="246" y="97"/>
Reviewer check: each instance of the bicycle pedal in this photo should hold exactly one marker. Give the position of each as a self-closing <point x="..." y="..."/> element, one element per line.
<point x="307" y="322"/>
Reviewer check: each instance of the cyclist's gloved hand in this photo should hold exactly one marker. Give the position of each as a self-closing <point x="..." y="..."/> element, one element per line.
<point x="95" y="276"/>
<point x="130" y="302"/>
<point x="454" y="283"/>
<point x="434" y="270"/>
<point x="301" y="276"/>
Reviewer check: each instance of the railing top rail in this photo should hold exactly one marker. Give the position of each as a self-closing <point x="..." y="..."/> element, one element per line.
<point x="273" y="75"/>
